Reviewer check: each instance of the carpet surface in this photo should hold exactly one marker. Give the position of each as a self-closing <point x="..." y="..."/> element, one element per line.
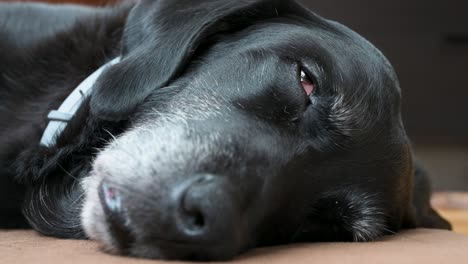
<point x="415" y="246"/>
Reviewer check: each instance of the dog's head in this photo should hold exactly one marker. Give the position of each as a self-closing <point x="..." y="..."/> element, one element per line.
<point x="253" y="123"/>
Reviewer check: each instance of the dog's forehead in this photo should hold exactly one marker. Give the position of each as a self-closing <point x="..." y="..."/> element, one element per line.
<point x="346" y="58"/>
<point x="245" y="61"/>
<point x="294" y="31"/>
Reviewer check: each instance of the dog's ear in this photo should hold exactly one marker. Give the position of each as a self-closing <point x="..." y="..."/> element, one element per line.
<point x="422" y="214"/>
<point x="161" y="37"/>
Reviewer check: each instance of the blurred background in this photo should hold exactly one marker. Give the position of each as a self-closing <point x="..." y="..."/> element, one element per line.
<point x="427" y="42"/>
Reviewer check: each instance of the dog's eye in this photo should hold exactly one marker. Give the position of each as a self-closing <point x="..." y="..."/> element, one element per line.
<point x="307" y="84"/>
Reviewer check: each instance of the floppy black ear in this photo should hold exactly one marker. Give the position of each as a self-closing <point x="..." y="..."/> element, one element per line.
<point x="423" y="215"/>
<point x="160" y="38"/>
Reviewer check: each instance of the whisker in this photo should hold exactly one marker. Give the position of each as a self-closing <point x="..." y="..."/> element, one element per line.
<point x="112" y="135"/>
<point x="68" y="173"/>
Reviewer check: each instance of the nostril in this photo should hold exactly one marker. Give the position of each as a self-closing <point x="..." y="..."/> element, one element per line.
<point x="194" y="204"/>
<point x="193" y="216"/>
<point x="112" y="204"/>
<point x="110" y="198"/>
<point x="206" y="211"/>
<point x="198" y="220"/>
<point x="207" y="219"/>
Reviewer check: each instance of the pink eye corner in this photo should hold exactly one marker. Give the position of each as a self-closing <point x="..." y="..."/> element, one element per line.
<point x="307" y="83"/>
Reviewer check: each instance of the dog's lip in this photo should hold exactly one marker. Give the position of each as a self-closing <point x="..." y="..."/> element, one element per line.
<point x="158" y="239"/>
<point x="165" y="246"/>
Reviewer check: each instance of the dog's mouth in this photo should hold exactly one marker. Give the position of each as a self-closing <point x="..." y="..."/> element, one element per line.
<point x="176" y="250"/>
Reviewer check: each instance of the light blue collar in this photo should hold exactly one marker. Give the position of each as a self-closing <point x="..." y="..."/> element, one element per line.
<point x="58" y="119"/>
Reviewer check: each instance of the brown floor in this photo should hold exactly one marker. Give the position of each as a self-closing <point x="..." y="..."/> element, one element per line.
<point x="408" y="247"/>
<point x="454" y="207"/>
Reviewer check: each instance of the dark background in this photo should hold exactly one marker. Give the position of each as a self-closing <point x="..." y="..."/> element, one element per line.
<point x="427" y="42"/>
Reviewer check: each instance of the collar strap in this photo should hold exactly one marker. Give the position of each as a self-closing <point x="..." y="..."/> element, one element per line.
<point x="59" y="119"/>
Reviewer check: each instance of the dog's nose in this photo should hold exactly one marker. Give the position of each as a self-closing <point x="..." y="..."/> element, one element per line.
<point x="200" y="215"/>
<point x="207" y="210"/>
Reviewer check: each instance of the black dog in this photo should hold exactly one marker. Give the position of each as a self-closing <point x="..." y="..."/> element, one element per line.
<point x="226" y="125"/>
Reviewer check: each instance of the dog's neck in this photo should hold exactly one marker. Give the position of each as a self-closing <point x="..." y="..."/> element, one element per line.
<point x="58" y="119"/>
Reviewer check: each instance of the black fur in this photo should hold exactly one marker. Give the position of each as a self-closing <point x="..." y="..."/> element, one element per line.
<point x="353" y="178"/>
